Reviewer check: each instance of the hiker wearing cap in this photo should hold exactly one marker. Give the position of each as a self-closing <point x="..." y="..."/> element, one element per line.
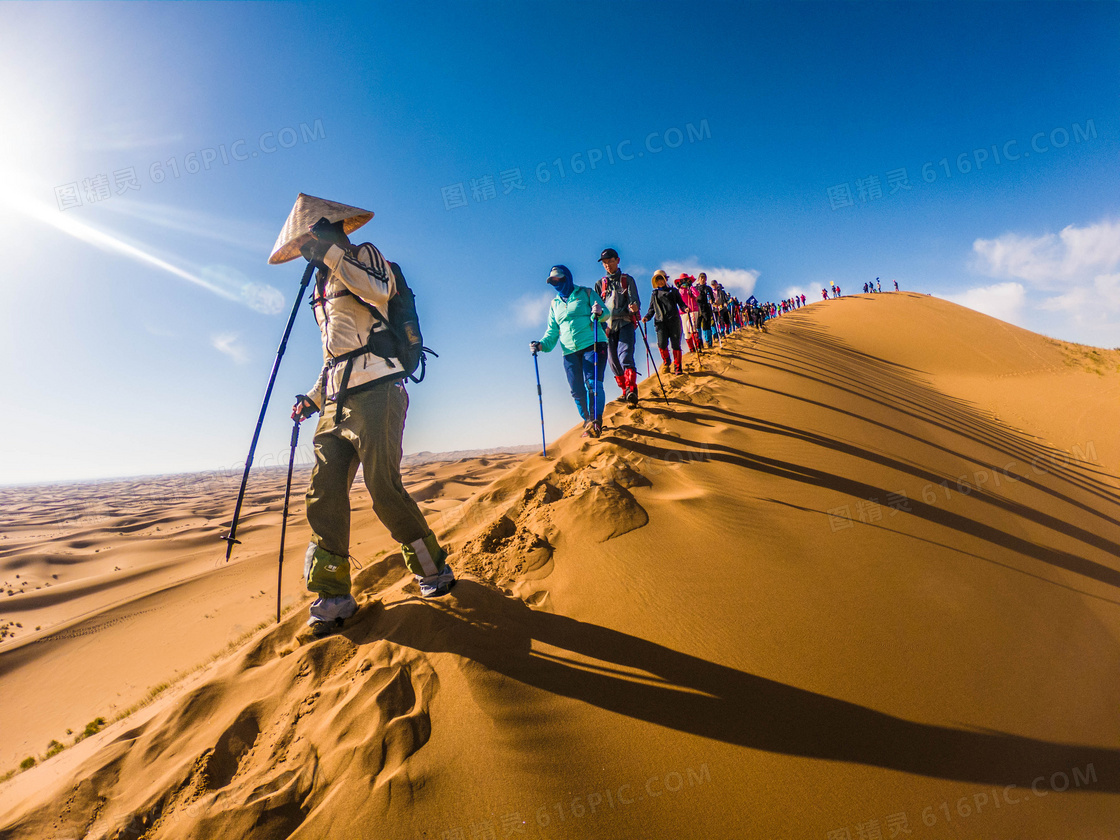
<point x="620" y="296"/>
<point x="362" y="405"/>
<point x="705" y="299"/>
<point x="720" y="300"/>
<point x="691" y="311"/>
<point x="665" y="307"/>
<point x="571" y="318"/>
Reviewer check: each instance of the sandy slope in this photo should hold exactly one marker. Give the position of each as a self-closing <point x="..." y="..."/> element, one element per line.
<point x="121" y="586"/>
<point x="862" y="575"/>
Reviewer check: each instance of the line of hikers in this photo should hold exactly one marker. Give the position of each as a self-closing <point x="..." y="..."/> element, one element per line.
<point x="868" y="288"/>
<point x="876" y="287"/>
<point x="689" y="310"/>
<point x="370" y="347"/>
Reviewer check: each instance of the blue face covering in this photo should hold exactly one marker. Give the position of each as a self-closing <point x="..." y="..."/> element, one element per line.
<point x="564" y="287"/>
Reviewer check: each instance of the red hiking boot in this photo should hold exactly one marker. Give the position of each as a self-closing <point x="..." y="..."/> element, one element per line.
<point x="630" y="392"/>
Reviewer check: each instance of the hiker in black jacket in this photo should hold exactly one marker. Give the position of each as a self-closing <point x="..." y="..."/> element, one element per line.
<point x="665" y="307"/>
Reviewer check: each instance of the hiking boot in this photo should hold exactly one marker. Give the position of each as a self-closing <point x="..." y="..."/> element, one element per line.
<point x="595" y="428"/>
<point x="630" y="376"/>
<point x="433" y="586"/>
<point x="677" y="362"/>
<point x="665" y="365"/>
<point x="329" y="612"/>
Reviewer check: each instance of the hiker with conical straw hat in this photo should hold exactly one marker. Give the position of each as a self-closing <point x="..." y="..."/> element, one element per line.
<point x="362" y="402"/>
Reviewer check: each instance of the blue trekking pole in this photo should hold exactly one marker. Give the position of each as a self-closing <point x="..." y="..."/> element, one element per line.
<point x="540" y="399"/>
<point x="284" y="519"/>
<point x="595" y="383"/>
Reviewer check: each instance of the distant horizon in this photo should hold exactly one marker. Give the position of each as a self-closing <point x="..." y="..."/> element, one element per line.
<point x="409" y="460"/>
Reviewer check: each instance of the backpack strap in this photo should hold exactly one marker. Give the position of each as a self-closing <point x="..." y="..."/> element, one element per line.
<point x="380" y="324"/>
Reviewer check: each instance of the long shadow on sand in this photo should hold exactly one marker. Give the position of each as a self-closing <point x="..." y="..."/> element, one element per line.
<point x="702" y="698"/>
<point x="696" y="416"/>
<point x="827" y="363"/>
<point x="696" y="451"/>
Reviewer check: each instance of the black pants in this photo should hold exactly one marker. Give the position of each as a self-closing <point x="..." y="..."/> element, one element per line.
<point x="669" y="332"/>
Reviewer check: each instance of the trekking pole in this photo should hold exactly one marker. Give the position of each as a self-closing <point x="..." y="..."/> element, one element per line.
<point x="649" y="358"/>
<point x="595" y="383"/>
<point x="647" y="355"/>
<point x="540" y="399"/>
<point x="284" y="520"/>
<point x="231" y="537"/>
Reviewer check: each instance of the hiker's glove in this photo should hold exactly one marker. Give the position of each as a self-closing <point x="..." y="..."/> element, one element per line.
<point x="535" y="346"/>
<point x="314" y="250"/>
<point x="596" y="309"/>
<point x="303" y="408"/>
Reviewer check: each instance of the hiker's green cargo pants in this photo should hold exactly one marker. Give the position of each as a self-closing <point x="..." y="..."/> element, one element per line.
<point x="370" y="432"/>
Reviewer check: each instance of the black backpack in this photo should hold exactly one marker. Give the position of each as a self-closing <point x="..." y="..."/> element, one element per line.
<point x="401" y="339"/>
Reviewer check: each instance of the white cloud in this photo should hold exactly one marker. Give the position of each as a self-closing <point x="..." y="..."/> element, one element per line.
<point x="1052" y="261"/>
<point x="739" y="280"/>
<point x="261" y="297"/>
<point x="530" y="310"/>
<point x="1005" y="301"/>
<point x="230" y="345"/>
<point x="1073" y="276"/>
<point x="1093" y="306"/>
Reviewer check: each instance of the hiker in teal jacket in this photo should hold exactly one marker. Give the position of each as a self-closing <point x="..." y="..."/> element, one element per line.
<point x="570" y="323"/>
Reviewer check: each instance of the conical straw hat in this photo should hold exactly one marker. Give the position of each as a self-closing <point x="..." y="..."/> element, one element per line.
<point x="307" y="211"/>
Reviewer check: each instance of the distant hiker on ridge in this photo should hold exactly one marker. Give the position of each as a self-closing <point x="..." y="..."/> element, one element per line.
<point x="570" y="318"/>
<point x="362" y="405"/>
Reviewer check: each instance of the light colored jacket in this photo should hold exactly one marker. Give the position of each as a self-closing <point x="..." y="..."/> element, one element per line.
<point x="618" y="299"/>
<point x="569" y="321"/>
<point x="345" y="323"/>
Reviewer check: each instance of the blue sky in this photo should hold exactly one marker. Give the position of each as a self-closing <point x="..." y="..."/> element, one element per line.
<point x="151" y="152"/>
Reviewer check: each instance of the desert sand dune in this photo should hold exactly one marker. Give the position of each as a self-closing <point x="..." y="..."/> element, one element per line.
<point x="861" y="576"/>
